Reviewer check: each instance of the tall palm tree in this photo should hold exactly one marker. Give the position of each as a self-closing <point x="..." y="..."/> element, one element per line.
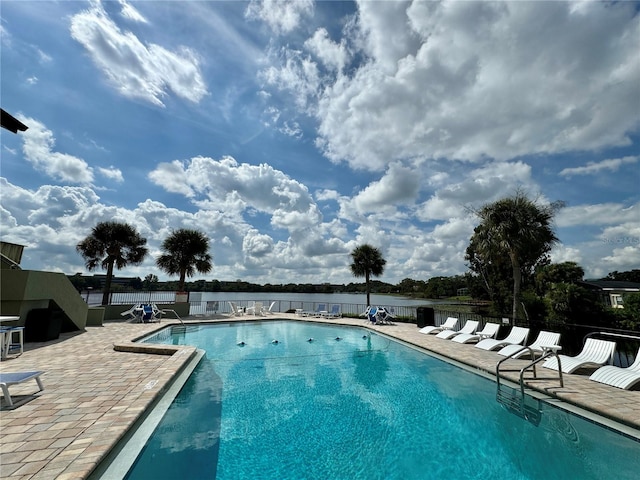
<point x="367" y="262"/>
<point x="185" y="252"/>
<point x="112" y="244"/>
<point x="518" y="228"/>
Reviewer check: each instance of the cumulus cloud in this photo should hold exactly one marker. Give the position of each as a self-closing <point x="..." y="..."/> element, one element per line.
<point x="112" y="173"/>
<point x="333" y="55"/>
<point x="238" y="188"/>
<point x="611" y="164"/>
<point x="38" y="148"/>
<point x="399" y="185"/>
<point x="257" y="245"/>
<point x="598" y="214"/>
<point x="137" y="69"/>
<point x="474" y="188"/>
<point x="282" y="16"/>
<point x="462" y="80"/>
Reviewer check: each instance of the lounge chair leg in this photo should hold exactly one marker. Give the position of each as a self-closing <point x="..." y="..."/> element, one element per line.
<point x="7" y="397"/>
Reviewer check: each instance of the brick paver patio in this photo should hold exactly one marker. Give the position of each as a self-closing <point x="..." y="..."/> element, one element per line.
<point x="97" y="384"/>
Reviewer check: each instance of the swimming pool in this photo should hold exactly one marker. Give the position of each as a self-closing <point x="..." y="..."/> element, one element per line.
<point x="353" y="405"/>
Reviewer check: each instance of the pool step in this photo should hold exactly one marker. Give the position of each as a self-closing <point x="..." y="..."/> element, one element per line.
<point x="525" y="407"/>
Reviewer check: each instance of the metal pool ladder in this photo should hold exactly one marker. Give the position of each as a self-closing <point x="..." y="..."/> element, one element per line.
<point x="517" y="403"/>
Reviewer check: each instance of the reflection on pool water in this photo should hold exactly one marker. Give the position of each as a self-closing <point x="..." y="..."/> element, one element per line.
<point x="328" y="402"/>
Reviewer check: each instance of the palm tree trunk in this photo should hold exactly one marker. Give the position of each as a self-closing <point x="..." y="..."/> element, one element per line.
<point x="366" y="280"/>
<point x="517" y="280"/>
<point x="183" y="276"/>
<point x="107" y="284"/>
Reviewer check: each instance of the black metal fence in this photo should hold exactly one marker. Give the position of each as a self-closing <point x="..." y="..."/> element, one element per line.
<point x="572" y="335"/>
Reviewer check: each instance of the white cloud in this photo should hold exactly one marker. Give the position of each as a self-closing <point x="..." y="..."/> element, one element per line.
<point x="136" y="69"/>
<point x="38" y="148"/>
<point x="611" y="164"/>
<point x="130" y="13"/>
<point x="112" y="173"/>
<point x="282" y="16"/>
<point x="478" y="186"/>
<point x="297" y="74"/>
<point x="598" y="214"/>
<point x="333" y="55"/>
<point x="292" y="130"/>
<point x="399" y="185"/>
<point x="256" y="245"/>
<point x="227" y="186"/>
<point x="462" y="80"/>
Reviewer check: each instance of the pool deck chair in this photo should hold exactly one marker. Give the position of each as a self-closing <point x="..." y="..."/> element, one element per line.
<point x="334" y="312"/>
<point x="469" y="328"/>
<point x="371" y="314"/>
<point x="490" y="330"/>
<point x="449" y="324"/>
<point x="545" y="339"/>
<point x="517" y="336"/>
<point x="619" y="377"/>
<point x="131" y="314"/>
<point x="256" y="309"/>
<point x="270" y="310"/>
<point x="320" y="311"/>
<point x="595" y="353"/>
<point x="235" y="310"/>
<point x="382" y="317"/>
<point x="150" y="313"/>
<point x="8" y="379"/>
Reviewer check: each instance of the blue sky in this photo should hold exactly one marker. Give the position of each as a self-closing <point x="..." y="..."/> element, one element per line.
<point x="292" y="132"/>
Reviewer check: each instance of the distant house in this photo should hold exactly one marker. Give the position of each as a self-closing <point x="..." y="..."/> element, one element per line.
<point x="462" y="292"/>
<point x="612" y="291"/>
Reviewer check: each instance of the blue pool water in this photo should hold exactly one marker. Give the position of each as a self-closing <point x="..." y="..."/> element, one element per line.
<point x="362" y="407"/>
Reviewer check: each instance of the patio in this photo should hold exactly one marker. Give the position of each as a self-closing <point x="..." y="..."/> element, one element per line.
<point x="98" y="383"/>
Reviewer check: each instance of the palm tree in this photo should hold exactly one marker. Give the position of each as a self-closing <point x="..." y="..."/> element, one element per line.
<point x="112" y="244"/>
<point x="367" y="261"/>
<point x="185" y="252"/>
<point x="516" y="228"/>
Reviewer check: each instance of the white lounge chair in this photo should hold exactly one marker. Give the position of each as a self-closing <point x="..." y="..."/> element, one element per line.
<point x="490" y="330"/>
<point x="270" y="310"/>
<point x="449" y="324"/>
<point x="255" y="309"/>
<point x="8" y="379"/>
<point x="133" y="313"/>
<point x="517" y="336"/>
<point x="595" y="353"/>
<point x="545" y="339"/>
<point x="469" y="328"/>
<point x="619" y="377"/>
<point x="235" y="310"/>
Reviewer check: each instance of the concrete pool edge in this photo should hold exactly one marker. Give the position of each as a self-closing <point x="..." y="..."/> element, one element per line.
<point x="122" y="456"/>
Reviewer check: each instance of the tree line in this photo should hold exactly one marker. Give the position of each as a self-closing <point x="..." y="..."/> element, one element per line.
<point x="508" y="260"/>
